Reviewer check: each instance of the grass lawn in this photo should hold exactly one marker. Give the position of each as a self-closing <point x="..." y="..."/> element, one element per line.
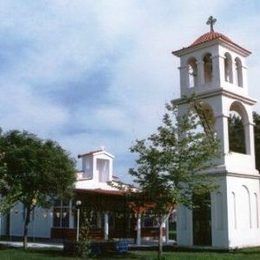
<point x="38" y="254"/>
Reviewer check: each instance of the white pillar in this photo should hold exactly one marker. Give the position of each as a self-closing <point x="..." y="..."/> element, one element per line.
<point x="249" y="139"/>
<point x="244" y="77"/>
<point x="184" y="77"/>
<point x="200" y="66"/>
<point x="106" y="226"/>
<point x="234" y="73"/>
<point x="218" y="70"/>
<point x="221" y="127"/>
<point x="78" y="213"/>
<point x="138" y="230"/>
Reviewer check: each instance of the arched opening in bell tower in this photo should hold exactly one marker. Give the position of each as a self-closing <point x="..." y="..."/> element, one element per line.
<point x="228" y="68"/>
<point x="238" y="128"/>
<point x="239" y="75"/>
<point x="207" y="59"/>
<point x="206" y="116"/>
<point x="193" y="72"/>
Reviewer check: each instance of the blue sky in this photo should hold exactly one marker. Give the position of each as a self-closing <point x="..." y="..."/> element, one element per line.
<point x="98" y="73"/>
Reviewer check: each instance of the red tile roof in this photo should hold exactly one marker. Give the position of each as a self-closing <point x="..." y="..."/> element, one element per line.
<point x="209" y="36"/>
<point x="89" y="153"/>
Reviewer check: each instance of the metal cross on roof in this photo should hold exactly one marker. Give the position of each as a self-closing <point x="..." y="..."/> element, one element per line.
<point x="211" y="21"/>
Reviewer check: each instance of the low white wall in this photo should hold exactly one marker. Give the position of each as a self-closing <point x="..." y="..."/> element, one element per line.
<point x="40" y="225"/>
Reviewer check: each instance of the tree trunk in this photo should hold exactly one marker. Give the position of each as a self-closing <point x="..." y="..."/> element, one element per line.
<point x="26" y="224"/>
<point x="160" y="240"/>
<point x="163" y="219"/>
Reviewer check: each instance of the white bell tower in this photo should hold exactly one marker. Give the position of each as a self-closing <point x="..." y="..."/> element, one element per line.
<point x="214" y="68"/>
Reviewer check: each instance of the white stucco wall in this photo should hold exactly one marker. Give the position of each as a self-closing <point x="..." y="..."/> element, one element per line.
<point x="243" y="218"/>
<point x="184" y="226"/>
<point x="219" y="213"/>
<point x="40" y="225"/>
<point x="3" y="225"/>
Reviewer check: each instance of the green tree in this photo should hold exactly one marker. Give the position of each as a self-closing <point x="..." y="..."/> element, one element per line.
<point x="37" y="171"/>
<point x="171" y="163"/>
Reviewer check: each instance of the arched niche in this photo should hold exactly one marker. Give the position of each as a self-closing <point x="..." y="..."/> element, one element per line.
<point x="192" y="72"/>
<point x="228" y="68"/>
<point x="239" y="73"/>
<point x="219" y="211"/>
<point x="256" y="210"/>
<point x="246" y="220"/>
<point x="208" y="70"/>
<point x="238" y="129"/>
<point x="234" y="210"/>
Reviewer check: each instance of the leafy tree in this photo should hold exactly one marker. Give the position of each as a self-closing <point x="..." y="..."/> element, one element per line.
<point x="37" y="171"/>
<point x="257" y="139"/>
<point x="171" y="163"/>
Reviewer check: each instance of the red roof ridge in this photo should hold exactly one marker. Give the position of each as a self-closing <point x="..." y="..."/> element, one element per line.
<point x="90" y="152"/>
<point x="209" y="36"/>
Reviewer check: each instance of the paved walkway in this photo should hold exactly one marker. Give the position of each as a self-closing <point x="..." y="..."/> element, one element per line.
<point x="32" y="244"/>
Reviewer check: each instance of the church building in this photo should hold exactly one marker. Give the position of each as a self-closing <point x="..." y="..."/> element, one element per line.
<point x="214" y="68"/>
<point x="101" y="194"/>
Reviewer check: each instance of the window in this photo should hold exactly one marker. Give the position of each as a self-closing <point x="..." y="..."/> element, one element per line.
<point x="103" y="170"/>
<point x="93" y="219"/>
<point x="149" y="220"/>
<point x="61" y="214"/>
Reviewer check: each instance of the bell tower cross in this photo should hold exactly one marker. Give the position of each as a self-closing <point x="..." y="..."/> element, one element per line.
<point x="211" y="21"/>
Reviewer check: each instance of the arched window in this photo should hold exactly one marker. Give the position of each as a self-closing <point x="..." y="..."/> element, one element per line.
<point x="239" y="72"/>
<point x="238" y="128"/>
<point x="193" y="72"/>
<point x="207" y="67"/>
<point x="228" y="68"/>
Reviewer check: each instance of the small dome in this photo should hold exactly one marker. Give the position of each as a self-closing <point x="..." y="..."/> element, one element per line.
<point x="209" y="36"/>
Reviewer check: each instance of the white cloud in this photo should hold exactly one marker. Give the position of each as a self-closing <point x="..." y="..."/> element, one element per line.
<point x="63" y="41"/>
